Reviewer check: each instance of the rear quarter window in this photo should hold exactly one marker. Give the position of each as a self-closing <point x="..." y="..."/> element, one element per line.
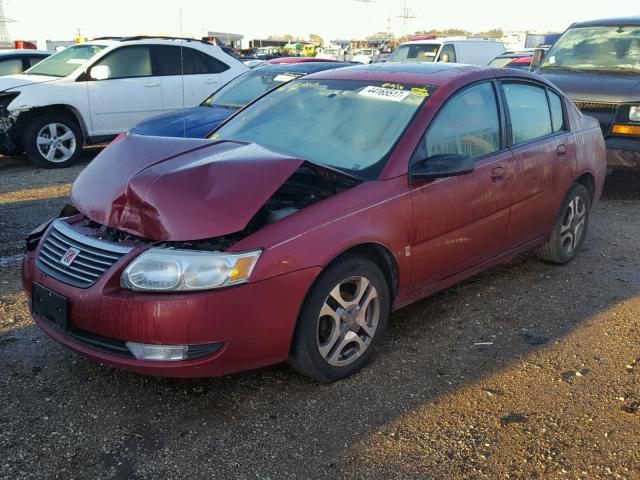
<point x="557" y="116"/>
<point x="199" y="63"/>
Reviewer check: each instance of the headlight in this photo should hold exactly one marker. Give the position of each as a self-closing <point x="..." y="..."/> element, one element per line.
<point x="634" y="114"/>
<point x="164" y="269"/>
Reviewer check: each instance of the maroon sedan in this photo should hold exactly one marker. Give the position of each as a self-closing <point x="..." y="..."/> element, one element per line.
<point x="307" y="217"/>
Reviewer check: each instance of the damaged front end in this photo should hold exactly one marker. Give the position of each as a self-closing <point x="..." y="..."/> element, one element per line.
<point x="187" y="190"/>
<point x="9" y="138"/>
<point x="307" y="186"/>
<point x="182" y="214"/>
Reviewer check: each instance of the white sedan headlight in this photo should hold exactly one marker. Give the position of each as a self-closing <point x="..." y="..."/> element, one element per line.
<point x="164" y="270"/>
<point x="634" y="114"/>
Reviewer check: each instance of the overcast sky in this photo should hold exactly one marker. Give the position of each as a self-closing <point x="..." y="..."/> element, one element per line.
<point x="59" y="19"/>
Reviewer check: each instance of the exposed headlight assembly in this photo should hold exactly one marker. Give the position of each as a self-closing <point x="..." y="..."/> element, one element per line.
<point x="6" y="99"/>
<point x="634" y="114"/>
<point x="167" y="270"/>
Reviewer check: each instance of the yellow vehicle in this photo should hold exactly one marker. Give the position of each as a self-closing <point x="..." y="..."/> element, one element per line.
<point x="309" y="50"/>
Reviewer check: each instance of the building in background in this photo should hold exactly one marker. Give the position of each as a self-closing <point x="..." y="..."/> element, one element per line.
<point x="233" y="40"/>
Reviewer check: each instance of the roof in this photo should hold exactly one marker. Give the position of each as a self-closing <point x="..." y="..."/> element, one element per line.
<point x="302" y="68"/>
<point x="410" y="72"/>
<point x="291" y="60"/>
<point x="609" y="22"/>
<point x="448" y="40"/>
<point x="26" y="51"/>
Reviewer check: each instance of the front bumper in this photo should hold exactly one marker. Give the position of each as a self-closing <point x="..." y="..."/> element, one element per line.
<point x="253" y="322"/>
<point x="622" y="151"/>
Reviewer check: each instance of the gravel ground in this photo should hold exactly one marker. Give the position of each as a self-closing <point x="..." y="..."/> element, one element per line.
<point x="528" y="371"/>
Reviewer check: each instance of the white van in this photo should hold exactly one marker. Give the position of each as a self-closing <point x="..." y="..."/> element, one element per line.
<point x="470" y="52"/>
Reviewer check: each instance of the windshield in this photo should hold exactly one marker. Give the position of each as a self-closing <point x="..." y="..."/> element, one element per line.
<point x="596" y="49"/>
<point x="245" y="88"/>
<point x="350" y="125"/>
<point x="417" y="52"/>
<point x="65" y="62"/>
<point x="500" y="62"/>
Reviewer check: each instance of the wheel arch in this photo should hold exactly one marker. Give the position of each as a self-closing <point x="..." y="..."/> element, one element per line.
<point x="587" y="179"/>
<point x="59" y="109"/>
<point x="381" y="256"/>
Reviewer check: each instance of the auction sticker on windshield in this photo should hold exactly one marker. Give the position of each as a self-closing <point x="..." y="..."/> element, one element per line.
<point x="384" y="93"/>
<point x="286" y="77"/>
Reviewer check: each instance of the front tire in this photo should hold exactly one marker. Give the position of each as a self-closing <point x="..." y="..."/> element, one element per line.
<point x="342" y="320"/>
<point x="53" y="141"/>
<point x="569" y="228"/>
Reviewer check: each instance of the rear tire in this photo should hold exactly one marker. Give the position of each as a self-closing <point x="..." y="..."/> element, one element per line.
<point x="569" y="229"/>
<point x="342" y="320"/>
<point x="53" y="141"/>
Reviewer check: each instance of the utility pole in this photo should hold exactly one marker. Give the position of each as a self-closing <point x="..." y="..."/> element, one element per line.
<point x="4" y="31"/>
<point x="405" y="15"/>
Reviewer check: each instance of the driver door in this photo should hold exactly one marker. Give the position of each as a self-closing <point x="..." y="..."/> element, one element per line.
<point x="460" y="222"/>
<point x="130" y="94"/>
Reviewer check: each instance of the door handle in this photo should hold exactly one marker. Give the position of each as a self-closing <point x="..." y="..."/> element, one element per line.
<point x="152" y="84"/>
<point x="561" y="150"/>
<point x="497" y="174"/>
<point x="211" y="82"/>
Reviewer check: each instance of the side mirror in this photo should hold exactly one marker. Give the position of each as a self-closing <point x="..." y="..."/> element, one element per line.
<point x="536" y="59"/>
<point x="100" y="72"/>
<point x="440" y="166"/>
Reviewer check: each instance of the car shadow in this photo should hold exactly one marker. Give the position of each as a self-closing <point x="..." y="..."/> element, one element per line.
<point x="19" y="162"/>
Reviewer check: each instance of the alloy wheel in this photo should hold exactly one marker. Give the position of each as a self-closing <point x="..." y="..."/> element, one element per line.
<point x="348" y="321"/>
<point x="56" y="142"/>
<point x="572" y="227"/>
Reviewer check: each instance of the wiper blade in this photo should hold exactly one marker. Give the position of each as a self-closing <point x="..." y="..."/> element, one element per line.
<point x="42" y="74"/>
<point x="227" y="107"/>
<point x="561" y="67"/>
<point x="628" y="71"/>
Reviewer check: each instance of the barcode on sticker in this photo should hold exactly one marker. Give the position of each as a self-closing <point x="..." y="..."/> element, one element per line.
<point x="384" y="93"/>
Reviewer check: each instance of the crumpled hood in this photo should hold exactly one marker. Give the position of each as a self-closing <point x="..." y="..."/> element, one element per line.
<point x="194" y="122"/>
<point x="596" y="87"/>
<point x="179" y="189"/>
<point x="21" y="80"/>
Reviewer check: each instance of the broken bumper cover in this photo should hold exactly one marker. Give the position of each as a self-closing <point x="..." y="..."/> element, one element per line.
<point x="250" y="325"/>
<point x="7" y="143"/>
<point x="8" y="134"/>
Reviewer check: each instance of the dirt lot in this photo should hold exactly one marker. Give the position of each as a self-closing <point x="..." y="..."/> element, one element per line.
<point x="529" y="371"/>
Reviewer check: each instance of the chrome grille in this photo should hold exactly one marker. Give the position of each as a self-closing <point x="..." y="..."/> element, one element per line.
<point x="93" y="258"/>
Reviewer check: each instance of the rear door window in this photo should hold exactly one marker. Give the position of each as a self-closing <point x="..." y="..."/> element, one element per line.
<point x="468" y="124"/>
<point x="176" y="60"/>
<point x="33" y="60"/>
<point x="167" y="60"/>
<point x="529" y="111"/>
